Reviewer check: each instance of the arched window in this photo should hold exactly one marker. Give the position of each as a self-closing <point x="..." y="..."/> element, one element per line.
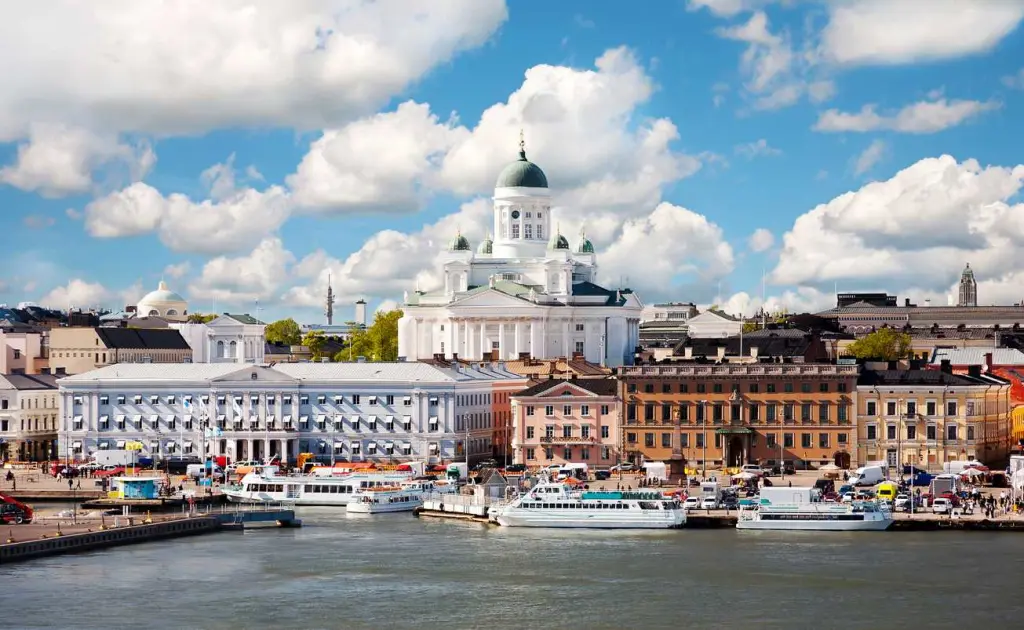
<point x="220" y="349"/>
<point x="172" y="312"/>
<point x="234" y="350"/>
<point x="153" y="312"/>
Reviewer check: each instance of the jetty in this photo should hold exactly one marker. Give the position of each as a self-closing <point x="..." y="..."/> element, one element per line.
<point x="55" y="536"/>
<point x="464" y="507"/>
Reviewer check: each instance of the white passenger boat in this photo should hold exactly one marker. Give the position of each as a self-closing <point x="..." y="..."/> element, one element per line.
<point x="558" y="505"/>
<point x="803" y="509"/>
<point x="270" y="487"/>
<point x="401" y="498"/>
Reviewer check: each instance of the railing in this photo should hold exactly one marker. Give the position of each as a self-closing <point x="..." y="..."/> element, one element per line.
<point x="554" y="439"/>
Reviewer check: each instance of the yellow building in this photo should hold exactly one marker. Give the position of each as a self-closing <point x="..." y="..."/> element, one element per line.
<point x="81" y="349"/>
<point x="926" y="418"/>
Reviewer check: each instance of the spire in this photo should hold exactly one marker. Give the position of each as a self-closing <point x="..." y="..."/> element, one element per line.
<point x="522" y="145"/>
<point x="329" y="303"/>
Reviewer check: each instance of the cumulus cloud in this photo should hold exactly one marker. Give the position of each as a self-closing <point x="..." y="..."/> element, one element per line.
<point x="179" y="270"/>
<point x="758" y="148"/>
<point x="761" y="240"/>
<point x="938" y="210"/>
<point x="869" y="157"/>
<point x="192" y="66"/>
<point x="58" y="160"/>
<point x="256" y="276"/>
<point x="77" y="293"/>
<point x="726" y="8"/>
<point x="878" y="32"/>
<point x="800" y="300"/>
<point x="919" y="118"/>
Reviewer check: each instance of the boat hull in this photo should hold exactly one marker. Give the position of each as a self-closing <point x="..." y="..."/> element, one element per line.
<point x="536" y="518"/>
<point x="382" y="508"/>
<point x="875" y="525"/>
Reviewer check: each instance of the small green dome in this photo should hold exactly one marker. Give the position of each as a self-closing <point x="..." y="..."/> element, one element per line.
<point x="459" y="244"/>
<point x="486" y="246"/>
<point x="584" y="246"/>
<point x="558" y="242"/>
<point x="522" y="174"/>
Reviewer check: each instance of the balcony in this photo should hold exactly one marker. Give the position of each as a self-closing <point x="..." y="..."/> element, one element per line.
<point x="555" y="439"/>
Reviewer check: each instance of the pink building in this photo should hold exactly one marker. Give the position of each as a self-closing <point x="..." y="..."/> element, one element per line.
<point x="558" y="421"/>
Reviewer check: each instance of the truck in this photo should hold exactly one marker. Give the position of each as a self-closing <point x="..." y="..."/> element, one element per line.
<point x="942" y="484"/>
<point x="956" y="467"/>
<point x="574" y="469"/>
<point x="656" y="470"/>
<point x="711" y="490"/>
<point x="917" y="476"/>
<point x="781" y="495"/>
<point x="117" y="457"/>
<point x="457" y="471"/>
<point x="867" y="476"/>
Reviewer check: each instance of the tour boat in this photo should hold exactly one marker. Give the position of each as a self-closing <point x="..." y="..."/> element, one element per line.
<point x="552" y="504"/>
<point x="330" y="490"/>
<point x="803" y="509"/>
<point x="398" y="498"/>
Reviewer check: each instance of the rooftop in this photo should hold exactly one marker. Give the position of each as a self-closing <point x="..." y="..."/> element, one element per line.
<point x="141" y="338"/>
<point x="596" y="386"/>
<point x="244" y="318"/>
<point x="23" y="382"/>
<point x="976" y="356"/>
<point x="923" y="377"/>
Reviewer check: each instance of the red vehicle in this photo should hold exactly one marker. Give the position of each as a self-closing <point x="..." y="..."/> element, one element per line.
<point x="14" y="511"/>
<point x="110" y="472"/>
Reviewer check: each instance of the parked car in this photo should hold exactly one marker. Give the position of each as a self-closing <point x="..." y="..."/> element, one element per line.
<point x="691" y="503"/>
<point x="789" y="469"/>
<point x="730" y="503"/>
<point x="624" y="467"/>
<point x="847" y="497"/>
<point x="515" y="468"/>
<point x="768" y="471"/>
<point x="902" y="502"/>
<point x="709" y="503"/>
<point x="601" y="475"/>
<point x="753" y="469"/>
<point x="942" y="506"/>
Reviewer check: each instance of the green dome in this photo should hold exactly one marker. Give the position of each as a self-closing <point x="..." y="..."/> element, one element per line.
<point x="584" y="246"/>
<point x="459" y="244"/>
<point x="558" y="242"/>
<point x="522" y="174"/>
<point x="486" y="246"/>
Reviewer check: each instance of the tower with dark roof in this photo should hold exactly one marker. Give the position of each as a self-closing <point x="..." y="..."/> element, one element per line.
<point x="968" y="288"/>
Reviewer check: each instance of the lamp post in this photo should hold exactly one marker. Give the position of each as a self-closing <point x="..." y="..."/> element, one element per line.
<point x="899" y="438"/>
<point x="704" y="439"/>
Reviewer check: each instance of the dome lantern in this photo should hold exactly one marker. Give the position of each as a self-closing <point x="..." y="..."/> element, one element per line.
<point x="522" y="173"/>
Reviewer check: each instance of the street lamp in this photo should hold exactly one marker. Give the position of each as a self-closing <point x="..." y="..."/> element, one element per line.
<point x="704" y="438"/>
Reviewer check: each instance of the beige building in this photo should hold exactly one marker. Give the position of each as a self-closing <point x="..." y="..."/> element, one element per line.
<point x="23" y="352"/>
<point x="29" y="408"/>
<point x="78" y="350"/>
<point x="926" y="418"/>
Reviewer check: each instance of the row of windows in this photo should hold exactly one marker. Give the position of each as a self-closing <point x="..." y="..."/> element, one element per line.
<point x="49" y="402"/>
<point x="754" y="388"/>
<point x="911" y="408"/>
<point x="567" y="410"/>
<point x="568" y="431"/>
<point x="771" y="440"/>
<point x="43" y="423"/>
<point x="911" y="433"/>
<point x="605" y="453"/>
<point x="668" y="412"/>
<point x="354" y="399"/>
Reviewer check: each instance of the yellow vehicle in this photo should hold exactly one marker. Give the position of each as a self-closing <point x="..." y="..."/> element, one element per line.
<point x="887" y="490"/>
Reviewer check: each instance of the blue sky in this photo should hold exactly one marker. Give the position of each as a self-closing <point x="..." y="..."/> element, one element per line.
<point x="246" y="151"/>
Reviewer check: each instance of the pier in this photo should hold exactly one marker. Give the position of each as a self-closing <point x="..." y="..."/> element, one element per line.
<point x="48" y="537"/>
<point x="457" y="506"/>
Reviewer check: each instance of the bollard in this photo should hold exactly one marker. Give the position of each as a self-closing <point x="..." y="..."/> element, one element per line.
<point x="148" y="520"/>
<point x="59" y="533"/>
<point x="10" y="536"/>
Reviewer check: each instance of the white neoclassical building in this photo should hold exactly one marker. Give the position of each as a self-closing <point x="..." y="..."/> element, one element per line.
<point x="228" y="338"/>
<point x="163" y="303"/>
<point x="524" y="291"/>
<point x="349" y="411"/>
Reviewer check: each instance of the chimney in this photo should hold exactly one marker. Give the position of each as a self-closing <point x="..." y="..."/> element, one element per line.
<point x="974" y="370"/>
<point x="753" y="352"/>
<point x="361" y="313"/>
<point x="906" y="302"/>
<point x="988" y="362"/>
<point x="892" y="365"/>
<point x="721" y="352"/>
<point x="946" y="366"/>
<point x="688" y="352"/>
<point x="455" y="357"/>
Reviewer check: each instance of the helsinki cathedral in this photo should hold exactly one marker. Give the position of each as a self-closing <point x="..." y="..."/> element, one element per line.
<point x="523" y="293"/>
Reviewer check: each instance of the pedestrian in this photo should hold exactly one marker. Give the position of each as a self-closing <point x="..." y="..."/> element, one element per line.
<point x="71" y="483"/>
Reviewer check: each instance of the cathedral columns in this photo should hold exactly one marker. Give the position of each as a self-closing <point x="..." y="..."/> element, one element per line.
<point x="519" y="336"/>
<point x="483" y="340"/>
<point x="453" y="338"/>
<point x="501" y="342"/>
<point x="565" y="339"/>
<point x="465" y="349"/>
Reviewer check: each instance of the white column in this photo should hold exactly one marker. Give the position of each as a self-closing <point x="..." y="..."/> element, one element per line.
<point x="501" y="342"/>
<point x="483" y="339"/>
<point x="534" y="354"/>
<point x="453" y="346"/>
<point x="519" y="336"/>
<point x="565" y="339"/>
<point x="543" y="338"/>
<point x="466" y="325"/>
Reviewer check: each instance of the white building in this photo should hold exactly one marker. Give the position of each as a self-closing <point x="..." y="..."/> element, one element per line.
<point x="229" y="338"/>
<point x="351" y="411"/>
<point x="714" y="324"/>
<point x="28" y="416"/>
<point x="163" y="303"/>
<point x="526" y="292"/>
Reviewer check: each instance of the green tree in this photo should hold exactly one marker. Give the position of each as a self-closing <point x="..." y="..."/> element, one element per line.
<point x="377" y="342"/>
<point x="885" y="344"/>
<point x="201" y="318"/>
<point x="749" y="327"/>
<point x="284" y="331"/>
<point x="315" y="340"/>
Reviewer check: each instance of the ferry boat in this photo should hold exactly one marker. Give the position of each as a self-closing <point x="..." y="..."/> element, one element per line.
<point x="803" y="509"/>
<point x="552" y="504"/>
<point x="400" y="498"/>
<point x="328" y="490"/>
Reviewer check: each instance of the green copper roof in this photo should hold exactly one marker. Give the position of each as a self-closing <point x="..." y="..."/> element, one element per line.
<point x="584" y="246"/>
<point x="459" y="244"/>
<point x="558" y="242"/>
<point x="486" y="246"/>
<point x="522" y="174"/>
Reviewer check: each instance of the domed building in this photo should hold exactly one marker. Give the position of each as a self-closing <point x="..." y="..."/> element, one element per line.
<point x="523" y="291"/>
<point x="163" y="303"/>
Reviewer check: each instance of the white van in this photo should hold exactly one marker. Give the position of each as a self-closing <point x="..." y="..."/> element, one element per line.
<point x="956" y="467"/>
<point x="196" y="471"/>
<point x="578" y="471"/>
<point x="867" y="476"/>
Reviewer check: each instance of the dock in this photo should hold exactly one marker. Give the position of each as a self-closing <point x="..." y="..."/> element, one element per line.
<point x="49" y="537"/>
<point x="163" y="504"/>
<point x="457" y="506"/>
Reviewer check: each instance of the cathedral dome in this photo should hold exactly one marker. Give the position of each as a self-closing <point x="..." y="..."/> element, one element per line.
<point x="459" y="244"/>
<point x="584" y="246"/>
<point x="522" y="173"/>
<point x="162" y="303"/>
<point x="558" y="242"/>
<point x="486" y="246"/>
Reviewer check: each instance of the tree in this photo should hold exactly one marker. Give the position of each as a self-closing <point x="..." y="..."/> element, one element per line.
<point x="378" y="342"/>
<point x="200" y="318"/>
<point x="885" y="344"/>
<point x="284" y="331"/>
<point x="314" y="340"/>
<point x="749" y="327"/>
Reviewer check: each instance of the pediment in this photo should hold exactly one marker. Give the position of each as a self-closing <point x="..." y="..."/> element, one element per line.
<point x="263" y="375"/>
<point x="566" y="390"/>
<point x="223" y="323"/>
<point x="491" y="298"/>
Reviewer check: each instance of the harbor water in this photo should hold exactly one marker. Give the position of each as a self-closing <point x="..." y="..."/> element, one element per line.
<point x="396" y="571"/>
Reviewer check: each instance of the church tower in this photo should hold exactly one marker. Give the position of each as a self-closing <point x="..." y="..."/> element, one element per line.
<point x="968" y="288"/>
<point x="522" y="209"/>
<point x="329" y="302"/>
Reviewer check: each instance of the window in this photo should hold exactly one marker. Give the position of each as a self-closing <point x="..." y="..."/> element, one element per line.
<point x="631" y="388"/>
<point x="753" y="410"/>
<point x="823" y="440"/>
<point x="170" y="400"/>
<point x="567" y="431"/>
<point x="787" y="412"/>
<point x="407" y="401"/>
<point x="970" y="432"/>
<point x="701" y="388"/>
<point x="120" y="400"/>
<point x="823" y="412"/>
<point x="823" y="388"/>
<point x="805" y="412"/>
<point x="433" y="401"/>
<point x="103" y="401"/>
<point x="770" y="388"/>
<point x="700" y="413"/>
<point x="372" y="400"/>
<point x="666" y="440"/>
<point x="890" y="407"/>
<point x="579" y="347"/>
<point x="579" y="327"/>
<point x="770" y="411"/>
<point x="843" y="412"/>
<point x="584" y="453"/>
<point x="788" y="388"/>
<point x="390" y="400"/>
<point x="911" y="432"/>
<point x="771" y="440"/>
<point x="303" y="399"/>
<point x="911" y="408"/>
<point x="432" y="423"/>
<point x="584" y="410"/>
<point x="529" y="410"/>
<point x="649" y="440"/>
<point x="406" y="423"/>
<point x="951" y="432"/>
<point x="753" y="388"/>
<point x="683" y="388"/>
<point x="154" y="400"/>
<point x="684" y="440"/>
<point x="356" y="399"/>
<point x="648" y="388"/>
<point x="806" y="388"/>
<point x="805" y="440"/>
<point x="530" y="453"/>
<point x="549" y="410"/>
<point x="735" y="413"/>
<point x="787" y="440"/>
<point x="566" y="410"/>
<point x="138" y="400"/>
<point x="604" y="410"/>
<point x="666" y="412"/>
<point x="951" y="408"/>
<point x="871" y="408"/>
<point x="890" y="432"/>
<point x="528" y="230"/>
<point x="699" y="439"/>
<point x="716" y="388"/>
<point x="338" y="400"/>
<point x="684" y="412"/>
<point x="321" y="400"/>
<point x="630" y="413"/>
<point x="930" y="432"/>
<point x="585" y="431"/>
<point x="515" y="230"/>
<point x="842" y="439"/>
<point x="929" y="408"/>
<point x="649" y="412"/>
<point x="716" y="412"/>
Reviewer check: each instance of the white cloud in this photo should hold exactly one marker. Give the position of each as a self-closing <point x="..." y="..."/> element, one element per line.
<point x="179" y="270"/>
<point x="212" y="226"/>
<point x="869" y="157"/>
<point x="800" y="300"/>
<point x="1015" y="81"/>
<point x="387" y="305"/>
<point x="761" y="240"/>
<point x="191" y="66"/>
<point x="919" y="118"/>
<point x="757" y="148"/>
<point x="77" y="293"/>
<point x="726" y="8"/>
<point x="376" y="162"/>
<point x="916" y="229"/>
<point x="58" y="160"/>
<point x="875" y="32"/>
<point x="38" y="221"/>
<point x="255" y="276"/>
<point x="219" y="179"/>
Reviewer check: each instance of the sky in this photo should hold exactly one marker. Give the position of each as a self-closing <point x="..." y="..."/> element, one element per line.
<point x="732" y="152"/>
